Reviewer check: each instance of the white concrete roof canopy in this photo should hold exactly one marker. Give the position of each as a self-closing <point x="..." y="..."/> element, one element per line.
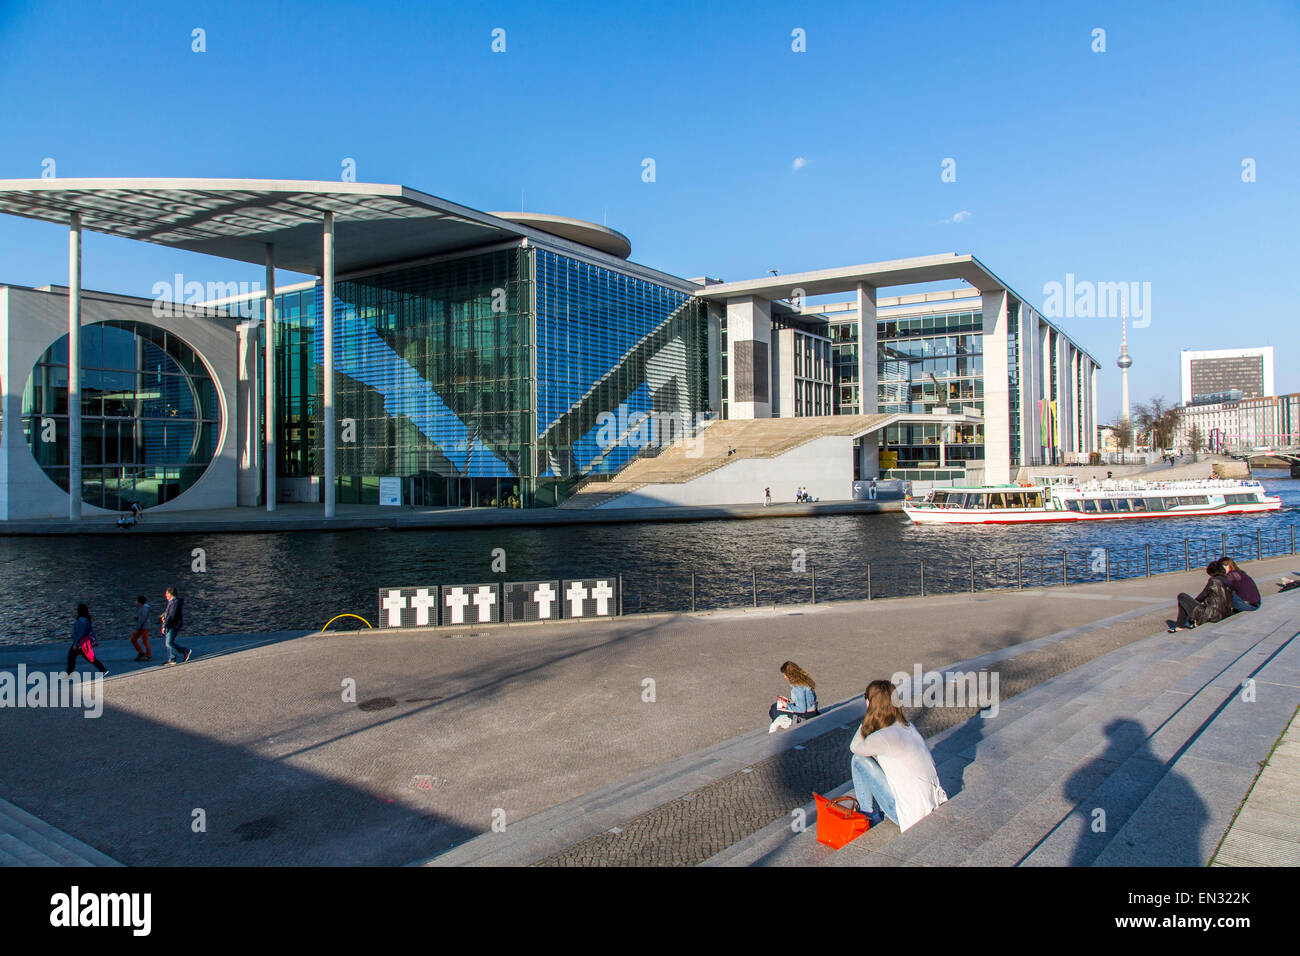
<point x="375" y="224"/>
<point x="894" y="272"/>
<point x="577" y="230"/>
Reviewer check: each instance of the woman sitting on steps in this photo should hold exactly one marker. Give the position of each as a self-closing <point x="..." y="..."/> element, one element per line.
<point x="893" y="773"/>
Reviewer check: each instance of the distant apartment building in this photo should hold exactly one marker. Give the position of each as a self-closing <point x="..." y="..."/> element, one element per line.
<point x="1241" y="425"/>
<point x="1217" y="372"/>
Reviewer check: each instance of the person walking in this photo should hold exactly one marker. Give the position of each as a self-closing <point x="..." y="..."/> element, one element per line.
<point x="173" y="619"/>
<point x="893" y="773"/>
<point x="1245" y="592"/>
<point x="141" y="632"/>
<point x="767" y="497"/>
<point x="84" y="641"/>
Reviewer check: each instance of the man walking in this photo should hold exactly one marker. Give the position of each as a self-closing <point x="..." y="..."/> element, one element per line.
<point x="173" y="619"/>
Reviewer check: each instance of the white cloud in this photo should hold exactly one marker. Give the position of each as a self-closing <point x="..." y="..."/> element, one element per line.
<point x="958" y="217"/>
<point x="799" y="163"/>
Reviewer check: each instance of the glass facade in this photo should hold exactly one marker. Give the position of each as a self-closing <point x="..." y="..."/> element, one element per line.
<point x="439" y="382"/>
<point x="620" y="361"/>
<point x="150" y="415"/>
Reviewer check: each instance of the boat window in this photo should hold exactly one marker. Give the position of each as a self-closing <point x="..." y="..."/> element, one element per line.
<point x="1035" y="500"/>
<point x="940" y="498"/>
<point x="1156" y="504"/>
<point x="957" y="501"/>
<point x="1138" y="504"/>
<point x="1015" y="499"/>
<point x="997" y="501"/>
<point x="1201" y="500"/>
<point x="1090" y="506"/>
<point x="1121" y="504"/>
<point x="1107" y="505"/>
<point x="1072" y="504"/>
<point x="979" y="501"/>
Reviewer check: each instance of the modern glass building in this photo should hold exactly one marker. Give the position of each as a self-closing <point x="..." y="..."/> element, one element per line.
<point x="479" y="379"/>
<point x="477" y="359"/>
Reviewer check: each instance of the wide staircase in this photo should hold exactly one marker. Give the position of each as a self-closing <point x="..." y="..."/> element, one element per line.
<point x="720" y="444"/>
<point x="26" y="840"/>
<point x="1140" y="757"/>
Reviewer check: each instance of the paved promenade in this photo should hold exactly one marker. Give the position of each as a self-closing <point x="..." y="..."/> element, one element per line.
<point x="392" y="747"/>
<point x="309" y="517"/>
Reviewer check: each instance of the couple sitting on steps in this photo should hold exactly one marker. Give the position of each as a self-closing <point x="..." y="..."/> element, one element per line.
<point x="1228" y="590"/>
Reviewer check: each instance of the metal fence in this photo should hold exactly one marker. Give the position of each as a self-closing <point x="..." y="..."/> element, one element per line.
<point x="770" y="587"/>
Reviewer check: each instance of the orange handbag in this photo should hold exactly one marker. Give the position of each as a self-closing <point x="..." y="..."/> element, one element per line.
<point x="839" y="821"/>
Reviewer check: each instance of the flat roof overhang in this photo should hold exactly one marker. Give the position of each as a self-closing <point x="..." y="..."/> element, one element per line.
<point x="914" y="271"/>
<point x="374" y="224"/>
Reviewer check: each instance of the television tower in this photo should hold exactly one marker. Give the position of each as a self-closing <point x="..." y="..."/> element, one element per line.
<point x="1125" y="362"/>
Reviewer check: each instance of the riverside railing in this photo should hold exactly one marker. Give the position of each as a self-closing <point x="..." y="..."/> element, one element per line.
<point x="702" y="590"/>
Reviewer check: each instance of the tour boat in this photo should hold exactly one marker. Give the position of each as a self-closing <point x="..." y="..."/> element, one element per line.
<point x="1062" y="498"/>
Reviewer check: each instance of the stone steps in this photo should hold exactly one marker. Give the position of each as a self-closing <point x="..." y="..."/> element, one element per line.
<point x="26" y="840"/>
<point x="1135" y="733"/>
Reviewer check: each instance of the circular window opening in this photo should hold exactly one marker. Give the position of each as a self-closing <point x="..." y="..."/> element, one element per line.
<point x="150" y="415"/>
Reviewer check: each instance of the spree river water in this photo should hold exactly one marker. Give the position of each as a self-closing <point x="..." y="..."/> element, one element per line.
<point x="263" y="582"/>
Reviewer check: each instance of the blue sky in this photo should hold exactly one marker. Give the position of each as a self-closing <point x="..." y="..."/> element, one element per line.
<point x="1117" y="166"/>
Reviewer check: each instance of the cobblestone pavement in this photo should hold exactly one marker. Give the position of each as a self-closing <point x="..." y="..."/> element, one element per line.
<point x="690" y="830"/>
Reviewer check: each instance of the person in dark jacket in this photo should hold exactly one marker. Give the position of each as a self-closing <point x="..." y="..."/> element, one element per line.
<point x="173" y="619"/>
<point x="1245" y="592"/>
<point x="83" y="642"/>
<point x="1214" y="603"/>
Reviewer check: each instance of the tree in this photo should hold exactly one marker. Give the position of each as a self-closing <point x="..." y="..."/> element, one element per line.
<point x="1196" y="442"/>
<point x="1157" y="421"/>
<point x="1122" y="429"/>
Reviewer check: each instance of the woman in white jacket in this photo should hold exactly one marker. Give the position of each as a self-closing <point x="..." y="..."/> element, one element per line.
<point x="893" y="773"/>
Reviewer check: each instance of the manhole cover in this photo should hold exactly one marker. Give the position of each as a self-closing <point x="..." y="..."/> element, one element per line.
<point x="377" y="703"/>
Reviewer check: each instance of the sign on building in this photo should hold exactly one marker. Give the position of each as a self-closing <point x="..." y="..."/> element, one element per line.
<point x="390" y="492"/>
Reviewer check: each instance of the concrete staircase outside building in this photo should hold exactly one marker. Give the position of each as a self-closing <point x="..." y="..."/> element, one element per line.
<point x="720" y="444"/>
<point x="1137" y="758"/>
<point x="26" y="840"/>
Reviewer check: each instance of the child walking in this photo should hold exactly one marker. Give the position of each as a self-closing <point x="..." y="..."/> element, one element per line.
<point x="141" y="632"/>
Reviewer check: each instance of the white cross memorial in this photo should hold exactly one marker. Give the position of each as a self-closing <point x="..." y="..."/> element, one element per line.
<point x="484" y="600"/>
<point x="394" y="604"/>
<point x="602" y="592"/>
<point x="422" y="603"/>
<point x="576" y="595"/>
<point x="456" y="600"/>
<point x="544" y="596"/>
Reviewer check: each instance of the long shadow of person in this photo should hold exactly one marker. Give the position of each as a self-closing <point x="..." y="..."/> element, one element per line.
<point x="1106" y="802"/>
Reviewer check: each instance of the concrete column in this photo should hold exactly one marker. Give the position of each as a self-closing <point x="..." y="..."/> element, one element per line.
<point x="997" y="427"/>
<point x="749" y="357"/>
<point x="74" y="367"/>
<point x="327" y="326"/>
<point x="868" y="377"/>
<point x="270" y="461"/>
<point x="250" y="440"/>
